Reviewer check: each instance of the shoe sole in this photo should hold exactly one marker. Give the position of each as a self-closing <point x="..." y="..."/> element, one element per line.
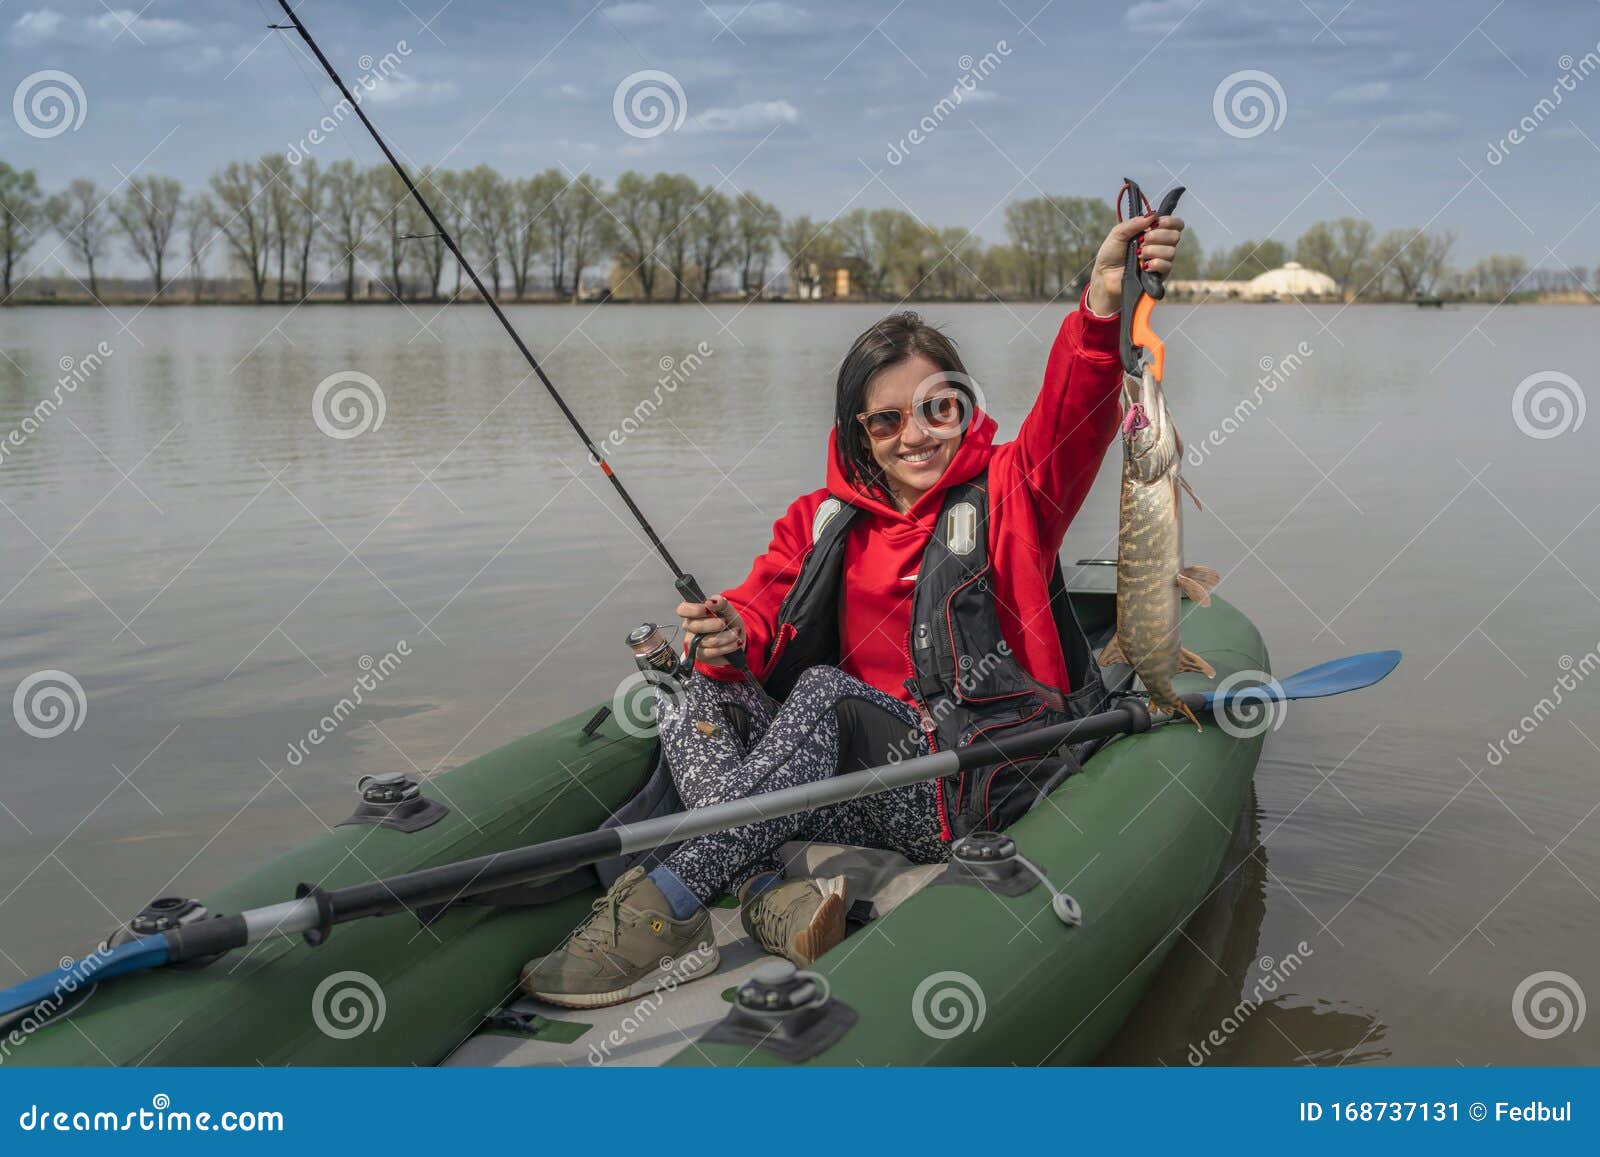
<point x="673" y="972"/>
<point x="825" y="931"/>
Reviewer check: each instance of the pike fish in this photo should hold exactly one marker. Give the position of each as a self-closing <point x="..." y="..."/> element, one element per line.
<point x="1151" y="577"/>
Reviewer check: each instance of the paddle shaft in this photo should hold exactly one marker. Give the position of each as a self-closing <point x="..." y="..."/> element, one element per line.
<point x="316" y="911"/>
<point x="447" y="883"/>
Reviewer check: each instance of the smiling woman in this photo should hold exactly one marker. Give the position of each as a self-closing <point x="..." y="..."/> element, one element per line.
<point x="914" y="604"/>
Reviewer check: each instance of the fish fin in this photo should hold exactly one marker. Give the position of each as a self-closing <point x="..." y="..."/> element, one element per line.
<point x="1111" y="655"/>
<point x="1193" y="590"/>
<point x="1189" y="490"/>
<point x="1184" y="709"/>
<point x="1189" y="661"/>
<point x="1197" y="582"/>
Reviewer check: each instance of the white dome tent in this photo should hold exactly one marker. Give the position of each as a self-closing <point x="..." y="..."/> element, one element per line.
<point x="1292" y="280"/>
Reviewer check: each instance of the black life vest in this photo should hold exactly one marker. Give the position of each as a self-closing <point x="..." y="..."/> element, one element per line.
<point x="967" y="680"/>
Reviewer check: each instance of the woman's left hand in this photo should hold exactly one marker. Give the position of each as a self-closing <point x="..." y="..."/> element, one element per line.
<point x="1160" y="246"/>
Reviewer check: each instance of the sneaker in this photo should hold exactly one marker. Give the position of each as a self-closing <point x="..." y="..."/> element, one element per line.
<point x="630" y="945"/>
<point x="796" y="919"/>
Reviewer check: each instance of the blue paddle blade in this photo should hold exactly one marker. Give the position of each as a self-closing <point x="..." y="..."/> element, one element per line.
<point x="58" y="985"/>
<point x="1334" y="677"/>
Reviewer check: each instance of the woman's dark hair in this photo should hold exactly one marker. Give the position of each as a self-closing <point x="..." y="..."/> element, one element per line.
<point x="886" y="343"/>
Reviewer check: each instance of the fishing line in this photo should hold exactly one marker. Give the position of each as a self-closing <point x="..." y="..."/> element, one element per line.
<point x="688" y="588"/>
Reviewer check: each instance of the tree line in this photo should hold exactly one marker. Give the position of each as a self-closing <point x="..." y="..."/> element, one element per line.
<point x="291" y="232"/>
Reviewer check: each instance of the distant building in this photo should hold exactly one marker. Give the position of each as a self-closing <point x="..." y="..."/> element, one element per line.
<point x="1290" y="282"/>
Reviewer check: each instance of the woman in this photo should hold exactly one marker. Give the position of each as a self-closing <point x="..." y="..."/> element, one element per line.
<point x="915" y="602"/>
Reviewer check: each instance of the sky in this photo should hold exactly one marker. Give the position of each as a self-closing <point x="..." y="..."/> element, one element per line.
<point x="1275" y="113"/>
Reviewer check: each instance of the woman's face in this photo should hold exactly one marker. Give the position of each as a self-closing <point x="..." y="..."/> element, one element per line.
<point x="915" y="458"/>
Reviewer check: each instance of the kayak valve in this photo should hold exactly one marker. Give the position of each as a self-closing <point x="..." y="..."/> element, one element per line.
<point x="990" y="860"/>
<point x="785" y="1011"/>
<point x="395" y="801"/>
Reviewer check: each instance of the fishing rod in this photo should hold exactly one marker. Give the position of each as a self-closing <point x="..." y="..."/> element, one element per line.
<point x="315" y="911"/>
<point x="687" y="586"/>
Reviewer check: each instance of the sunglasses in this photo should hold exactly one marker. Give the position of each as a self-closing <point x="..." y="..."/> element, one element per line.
<point x="935" y="414"/>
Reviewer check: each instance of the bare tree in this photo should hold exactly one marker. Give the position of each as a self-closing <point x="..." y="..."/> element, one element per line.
<point x="711" y="237"/>
<point x="282" y="212"/>
<point x="80" y="215"/>
<point x="641" y="228"/>
<point x="675" y="197"/>
<point x="551" y="205"/>
<point x="594" y="229"/>
<point x="757" y="225"/>
<point x="241" y="217"/>
<point x="1342" y="249"/>
<point x="1415" y="260"/>
<point x="148" y="213"/>
<point x="199" y="230"/>
<point x="349" y="209"/>
<point x="309" y="193"/>
<point x="489" y="202"/>
<point x="21" y="212"/>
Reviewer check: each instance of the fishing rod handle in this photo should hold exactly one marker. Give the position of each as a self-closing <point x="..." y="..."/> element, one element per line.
<point x="689" y="587"/>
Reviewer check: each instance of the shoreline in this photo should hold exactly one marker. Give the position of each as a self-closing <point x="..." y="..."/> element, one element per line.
<point x="136" y="302"/>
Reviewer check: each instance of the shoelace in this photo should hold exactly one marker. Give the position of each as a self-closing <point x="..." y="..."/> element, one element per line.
<point x="604" y="912"/>
<point x="768" y="922"/>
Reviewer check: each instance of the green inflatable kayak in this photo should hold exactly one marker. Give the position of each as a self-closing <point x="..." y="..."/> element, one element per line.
<point x="1034" y="955"/>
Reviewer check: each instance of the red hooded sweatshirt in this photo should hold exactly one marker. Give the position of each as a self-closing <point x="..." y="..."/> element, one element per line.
<point x="1036" y="484"/>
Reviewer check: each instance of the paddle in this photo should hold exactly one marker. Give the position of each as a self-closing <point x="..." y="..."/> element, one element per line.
<point x="315" y="911"/>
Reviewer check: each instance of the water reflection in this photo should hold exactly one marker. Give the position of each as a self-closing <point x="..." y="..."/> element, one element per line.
<point x="1224" y="996"/>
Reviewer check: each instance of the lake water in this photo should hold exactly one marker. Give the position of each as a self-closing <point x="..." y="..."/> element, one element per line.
<point x="184" y="541"/>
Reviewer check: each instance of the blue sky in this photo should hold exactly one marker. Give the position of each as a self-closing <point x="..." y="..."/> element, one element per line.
<point x="1387" y="109"/>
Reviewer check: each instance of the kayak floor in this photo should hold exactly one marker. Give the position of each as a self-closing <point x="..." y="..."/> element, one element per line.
<point x="648" y="1029"/>
<point x="645" y="1030"/>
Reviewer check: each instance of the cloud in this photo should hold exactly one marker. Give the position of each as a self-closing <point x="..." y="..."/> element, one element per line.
<point x="631" y="13"/>
<point x="399" y="89"/>
<point x="42" y="25"/>
<point x="38" y="26"/>
<point x="1372" y="92"/>
<point x="150" y="29"/>
<point x="756" y="115"/>
<point x="765" y="16"/>
<point x="571" y="90"/>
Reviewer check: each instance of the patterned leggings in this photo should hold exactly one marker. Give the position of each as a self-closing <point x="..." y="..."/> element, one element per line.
<point x="831" y="722"/>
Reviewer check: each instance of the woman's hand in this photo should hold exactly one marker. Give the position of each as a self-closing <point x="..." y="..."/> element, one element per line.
<point x="719" y="626"/>
<point x="1160" y="246"/>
